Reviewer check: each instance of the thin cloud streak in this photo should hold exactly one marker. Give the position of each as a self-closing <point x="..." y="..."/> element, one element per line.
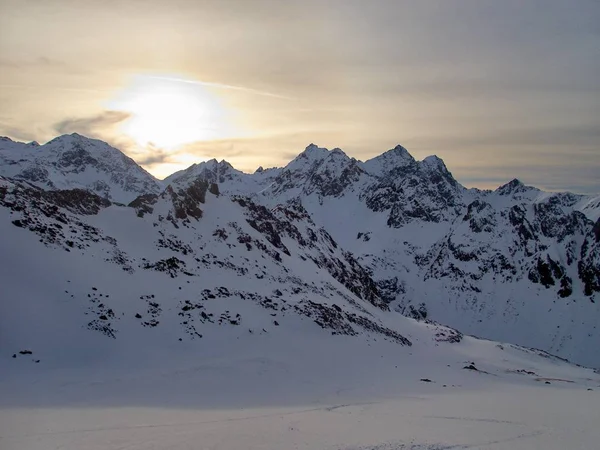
<point x="225" y="86"/>
<point x="91" y="125"/>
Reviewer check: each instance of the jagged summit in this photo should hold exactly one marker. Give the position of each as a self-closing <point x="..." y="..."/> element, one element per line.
<point x="212" y="171"/>
<point x="512" y="184"/>
<point x="105" y="170"/>
<point x="391" y="159"/>
<point x="313" y="148"/>
<point x="313" y="153"/>
<point x="434" y="162"/>
<point x="399" y="150"/>
<point x="222" y="163"/>
<point x="515" y="186"/>
<point x="318" y="171"/>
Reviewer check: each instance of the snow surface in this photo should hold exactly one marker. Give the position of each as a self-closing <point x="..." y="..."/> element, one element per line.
<point x="297" y="390"/>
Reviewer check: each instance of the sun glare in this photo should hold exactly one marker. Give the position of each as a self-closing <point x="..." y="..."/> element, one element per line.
<point x="168" y="112"/>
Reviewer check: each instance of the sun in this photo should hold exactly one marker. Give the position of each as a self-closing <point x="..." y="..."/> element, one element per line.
<point x="168" y="112"/>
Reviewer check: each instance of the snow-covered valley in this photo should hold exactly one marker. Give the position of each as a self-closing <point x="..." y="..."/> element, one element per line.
<point x="291" y="391"/>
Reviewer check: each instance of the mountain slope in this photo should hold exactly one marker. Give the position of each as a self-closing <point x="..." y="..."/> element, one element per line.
<point x="188" y="258"/>
<point x="173" y="270"/>
<point x="515" y="264"/>
<point x="192" y="316"/>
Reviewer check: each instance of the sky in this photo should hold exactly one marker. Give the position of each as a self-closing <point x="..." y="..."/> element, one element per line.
<point x="497" y="89"/>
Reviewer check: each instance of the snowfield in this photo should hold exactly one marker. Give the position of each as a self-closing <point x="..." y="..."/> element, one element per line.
<point x="288" y="391"/>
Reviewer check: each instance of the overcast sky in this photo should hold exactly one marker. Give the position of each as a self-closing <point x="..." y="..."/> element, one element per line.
<point x="498" y="89"/>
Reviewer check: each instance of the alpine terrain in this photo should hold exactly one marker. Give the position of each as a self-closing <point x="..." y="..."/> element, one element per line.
<point x="331" y="304"/>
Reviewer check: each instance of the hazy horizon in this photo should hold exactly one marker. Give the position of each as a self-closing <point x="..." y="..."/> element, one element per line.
<point x="498" y="90"/>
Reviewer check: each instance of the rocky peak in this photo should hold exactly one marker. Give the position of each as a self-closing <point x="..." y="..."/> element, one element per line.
<point x="318" y="170"/>
<point x="436" y="172"/>
<point x="212" y="171"/>
<point x="399" y="151"/>
<point x="308" y="159"/>
<point x="412" y="190"/>
<point x="313" y="151"/>
<point x="398" y="157"/>
<point x="338" y="151"/>
<point x="434" y="162"/>
<point x="214" y="163"/>
<point x="513" y="187"/>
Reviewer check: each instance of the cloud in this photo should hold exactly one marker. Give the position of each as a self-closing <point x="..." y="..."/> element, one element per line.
<point x="578" y="178"/>
<point x="45" y="61"/>
<point x="91" y="126"/>
<point x="223" y="149"/>
<point x="225" y="86"/>
<point x="280" y="147"/>
<point x="566" y="138"/>
<point x="153" y="156"/>
<point x="17" y="133"/>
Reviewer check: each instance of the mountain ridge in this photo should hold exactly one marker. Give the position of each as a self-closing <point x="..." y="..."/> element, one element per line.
<point x="398" y="149"/>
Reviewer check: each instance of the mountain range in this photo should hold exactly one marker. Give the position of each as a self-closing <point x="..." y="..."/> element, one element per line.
<point x="93" y="242"/>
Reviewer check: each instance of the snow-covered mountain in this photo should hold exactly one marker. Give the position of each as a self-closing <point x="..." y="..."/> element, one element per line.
<point x="515" y="264"/>
<point x="196" y="316"/>
<point x="232" y="181"/>
<point x="200" y="258"/>
<point x="73" y="161"/>
<point x="327" y="242"/>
